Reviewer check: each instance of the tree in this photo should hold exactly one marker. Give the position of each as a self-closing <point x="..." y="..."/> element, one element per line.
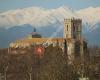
<point x="53" y="64"/>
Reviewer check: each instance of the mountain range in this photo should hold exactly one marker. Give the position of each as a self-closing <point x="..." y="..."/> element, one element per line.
<point x="17" y="24"/>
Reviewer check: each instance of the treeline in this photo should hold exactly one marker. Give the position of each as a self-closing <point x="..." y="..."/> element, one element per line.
<point x="53" y="65"/>
<point x="29" y="66"/>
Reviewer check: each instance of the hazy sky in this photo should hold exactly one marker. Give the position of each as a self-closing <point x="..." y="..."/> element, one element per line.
<point x="75" y="4"/>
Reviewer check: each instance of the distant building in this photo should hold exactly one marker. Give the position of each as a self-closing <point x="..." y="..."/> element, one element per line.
<point x="72" y="41"/>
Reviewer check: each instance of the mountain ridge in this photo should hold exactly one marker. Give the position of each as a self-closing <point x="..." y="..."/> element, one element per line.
<point x="16" y="24"/>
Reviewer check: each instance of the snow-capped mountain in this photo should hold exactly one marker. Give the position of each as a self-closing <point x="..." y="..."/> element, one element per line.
<point x="90" y="17"/>
<point x="47" y="21"/>
<point x="38" y="16"/>
<point x="35" y="16"/>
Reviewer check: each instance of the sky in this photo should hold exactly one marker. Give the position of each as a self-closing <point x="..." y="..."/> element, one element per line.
<point x="6" y="5"/>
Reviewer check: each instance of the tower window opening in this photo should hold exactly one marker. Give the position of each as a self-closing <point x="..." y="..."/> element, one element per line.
<point x="73" y="27"/>
<point x="67" y="27"/>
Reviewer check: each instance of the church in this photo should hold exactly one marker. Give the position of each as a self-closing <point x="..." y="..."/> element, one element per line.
<point x="72" y="42"/>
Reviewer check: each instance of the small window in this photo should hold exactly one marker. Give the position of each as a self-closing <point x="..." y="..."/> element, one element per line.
<point x="73" y="28"/>
<point x="67" y="27"/>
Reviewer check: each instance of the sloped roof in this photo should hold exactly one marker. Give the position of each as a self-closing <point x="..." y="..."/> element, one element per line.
<point x="43" y="40"/>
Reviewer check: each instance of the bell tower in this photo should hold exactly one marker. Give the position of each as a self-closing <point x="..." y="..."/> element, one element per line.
<point x="72" y="28"/>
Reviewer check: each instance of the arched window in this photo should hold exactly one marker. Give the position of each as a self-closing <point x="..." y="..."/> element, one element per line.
<point x="67" y="27"/>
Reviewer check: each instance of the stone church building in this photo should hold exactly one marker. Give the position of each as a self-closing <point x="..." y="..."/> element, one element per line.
<point x="72" y="42"/>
